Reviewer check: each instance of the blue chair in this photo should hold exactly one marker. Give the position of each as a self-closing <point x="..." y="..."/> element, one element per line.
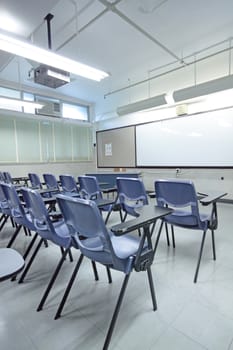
<point x="19" y="215"/>
<point x="131" y="195"/>
<point x="55" y="232"/>
<point x="4" y="208"/>
<point x="181" y="196"/>
<point x="51" y="182"/>
<point x="7" y="177"/>
<point x="69" y="186"/>
<point x="89" y="189"/>
<point x="35" y="181"/>
<point x="2" y="177"/>
<point x="84" y="220"/>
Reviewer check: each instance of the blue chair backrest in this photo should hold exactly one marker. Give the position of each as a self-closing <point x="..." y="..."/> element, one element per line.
<point x="50" y="181"/>
<point x="89" y="187"/>
<point x="83" y="218"/>
<point x="39" y="213"/>
<point x="2" y="177"/>
<point x="56" y="232"/>
<point x="3" y="201"/>
<point x="17" y="210"/>
<point x="16" y="207"/>
<point x="68" y="183"/>
<point x="8" y="178"/>
<point x="131" y="193"/>
<point x="179" y="194"/>
<point x="35" y="180"/>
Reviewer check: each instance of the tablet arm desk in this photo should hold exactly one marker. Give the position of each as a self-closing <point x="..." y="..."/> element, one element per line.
<point x="146" y="218"/>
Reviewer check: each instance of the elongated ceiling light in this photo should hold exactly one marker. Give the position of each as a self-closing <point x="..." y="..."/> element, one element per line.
<point x="35" y="53"/>
<point x="204" y="89"/>
<point x="141" y="105"/>
<point x="8" y="103"/>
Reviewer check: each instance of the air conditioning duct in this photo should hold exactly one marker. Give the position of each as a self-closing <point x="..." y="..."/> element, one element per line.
<point x="51" y="108"/>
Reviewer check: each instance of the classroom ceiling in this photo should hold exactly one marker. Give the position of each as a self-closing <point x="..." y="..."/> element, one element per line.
<point x="129" y="39"/>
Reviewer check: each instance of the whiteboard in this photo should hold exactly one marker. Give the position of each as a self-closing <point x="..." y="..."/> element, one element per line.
<point x="201" y="140"/>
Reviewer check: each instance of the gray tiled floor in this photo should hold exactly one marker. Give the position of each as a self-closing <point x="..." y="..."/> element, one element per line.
<point x="189" y="316"/>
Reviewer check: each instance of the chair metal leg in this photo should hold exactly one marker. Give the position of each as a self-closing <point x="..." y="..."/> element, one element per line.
<point x="52" y="280"/>
<point x="167" y="235"/>
<point x="25" y="231"/>
<point x="173" y="237"/>
<point x="95" y="270"/>
<point x="121" y="217"/>
<point x="107" y="217"/>
<point x="18" y="228"/>
<point x="4" y="221"/>
<point x="12" y="222"/>
<point x="109" y="274"/>
<point x="30" y="261"/>
<point x="213" y="244"/>
<point x="152" y="289"/>
<point x="116" y="312"/>
<point x="30" y="245"/>
<point x="124" y="217"/>
<point x="2" y="217"/>
<point x="27" y="252"/>
<point x="158" y="236"/>
<point x="68" y="288"/>
<point x="199" y="257"/>
<point x="70" y="255"/>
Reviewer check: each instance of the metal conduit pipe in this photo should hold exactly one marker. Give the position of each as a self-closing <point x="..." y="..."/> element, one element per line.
<point x="167" y="72"/>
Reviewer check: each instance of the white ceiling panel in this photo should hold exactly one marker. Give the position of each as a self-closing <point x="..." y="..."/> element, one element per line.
<point x="127" y="38"/>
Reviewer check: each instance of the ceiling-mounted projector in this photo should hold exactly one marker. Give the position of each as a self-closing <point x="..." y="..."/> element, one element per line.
<point x="50" y="76"/>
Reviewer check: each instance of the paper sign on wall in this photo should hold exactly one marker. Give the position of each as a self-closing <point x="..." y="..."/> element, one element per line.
<point x="108" y="149"/>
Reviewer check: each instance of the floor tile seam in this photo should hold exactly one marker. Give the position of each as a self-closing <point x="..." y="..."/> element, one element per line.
<point x="190" y="338"/>
<point x="29" y="336"/>
<point x="213" y="308"/>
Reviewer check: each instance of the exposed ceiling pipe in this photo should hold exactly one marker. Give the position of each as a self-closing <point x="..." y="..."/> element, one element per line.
<point x="167" y="72"/>
<point x="192" y="55"/>
<point x="112" y="7"/>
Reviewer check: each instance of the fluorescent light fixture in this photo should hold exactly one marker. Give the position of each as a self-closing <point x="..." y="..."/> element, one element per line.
<point x="148" y="103"/>
<point x="35" y="53"/>
<point x="204" y="89"/>
<point x="8" y="103"/>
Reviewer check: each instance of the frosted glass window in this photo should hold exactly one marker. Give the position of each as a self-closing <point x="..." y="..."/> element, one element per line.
<point x="28" y="140"/>
<point x="75" y="112"/>
<point x="32" y="140"/>
<point x="7" y="140"/>
<point x="82" y="143"/>
<point x="28" y="97"/>
<point x="62" y="142"/>
<point x="47" y="141"/>
<point x="11" y="94"/>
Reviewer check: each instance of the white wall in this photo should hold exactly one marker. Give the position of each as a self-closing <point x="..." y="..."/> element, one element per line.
<point x="54" y="168"/>
<point x="107" y="118"/>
